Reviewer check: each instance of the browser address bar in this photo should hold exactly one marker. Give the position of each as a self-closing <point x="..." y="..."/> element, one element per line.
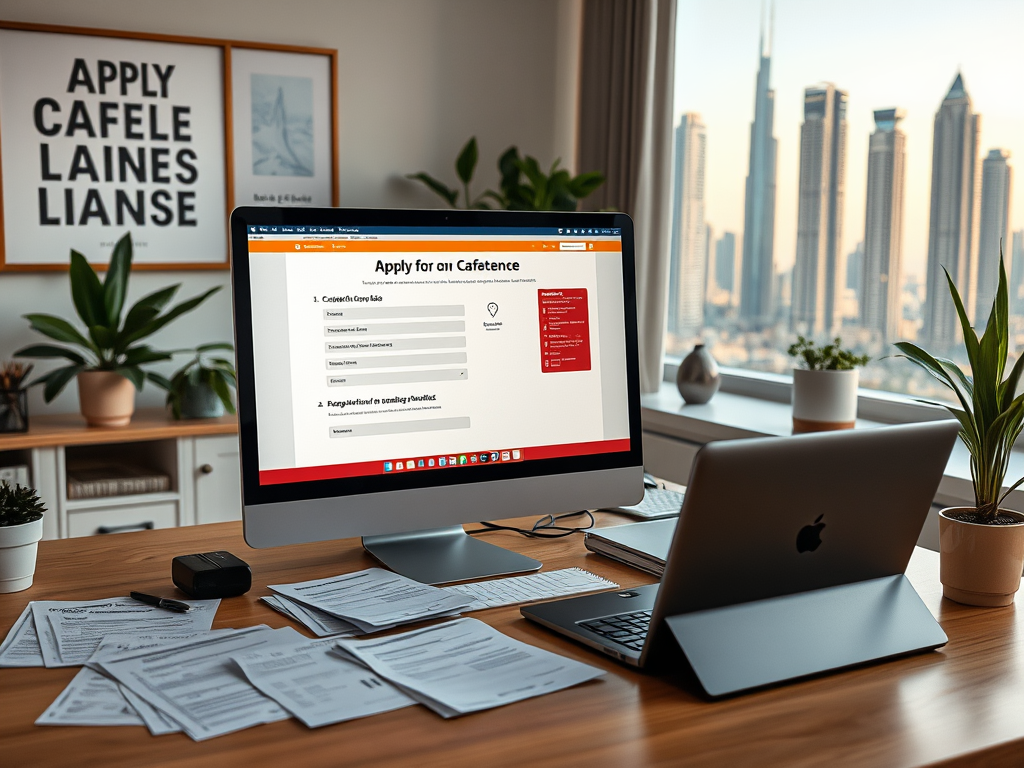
<point x="572" y="246"/>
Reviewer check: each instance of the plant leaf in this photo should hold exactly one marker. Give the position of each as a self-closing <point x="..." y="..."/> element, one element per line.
<point x="134" y="374"/>
<point x="220" y="387"/>
<point x="157" y="323"/>
<point x="161" y="381"/>
<point x="465" y="163"/>
<point x="86" y="291"/>
<point x="143" y="354"/>
<point x="49" y="351"/>
<point x="213" y="346"/>
<point x="58" y="329"/>
<point x="585" y="184"/>
<point x="55" y="381"/>
<point x="439" y="188"/>
<point x="115" y="286"/>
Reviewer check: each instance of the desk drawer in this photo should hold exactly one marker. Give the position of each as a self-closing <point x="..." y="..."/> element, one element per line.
<point x="122" y="519"/>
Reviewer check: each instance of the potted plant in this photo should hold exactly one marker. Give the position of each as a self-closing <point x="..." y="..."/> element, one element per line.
<point x="981" y="548"/>
<point x="201" y="389"/>
<point x="108" y="358"/>
<point x="13" y="399"/>
<point x="825" y="388"/>
<point x="21" y="528"/>
<point x="556" y="190"/>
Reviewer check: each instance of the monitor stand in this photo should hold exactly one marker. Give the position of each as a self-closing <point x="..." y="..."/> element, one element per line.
<point x="443" y="555"/>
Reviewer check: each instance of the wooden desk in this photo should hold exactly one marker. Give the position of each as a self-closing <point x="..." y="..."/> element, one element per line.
<point x="963" y="705"/>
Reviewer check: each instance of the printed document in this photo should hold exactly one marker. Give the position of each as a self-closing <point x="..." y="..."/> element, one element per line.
<point x="91" y="698"/>
<point x="69" y="631"/>
<point x="319" y="623"/>
<point x="195" y="683"/>
<point x="465" y="666"/>
<point x="21" y="646"/>
<point x="316" y="685"/>
<point x="374" y="599"/>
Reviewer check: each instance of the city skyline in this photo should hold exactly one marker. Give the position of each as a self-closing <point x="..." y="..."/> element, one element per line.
<point x="914" y="76"/>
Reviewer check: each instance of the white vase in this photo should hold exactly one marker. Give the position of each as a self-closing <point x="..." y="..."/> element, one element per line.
<point x="824" y="400"/>
<point x="18" y="546"/>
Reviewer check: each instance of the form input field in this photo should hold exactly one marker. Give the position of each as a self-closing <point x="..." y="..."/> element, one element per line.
<point x="400" y="427"/>
<point x="377" y="313"/>
<point x="397" y="377"/>
<point x="397" y="345"/>
<point x="394" y="361"/>
<point x="385" y="329"/>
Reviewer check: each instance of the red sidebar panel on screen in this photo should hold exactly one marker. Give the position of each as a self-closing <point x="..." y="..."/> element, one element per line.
<point x="564" y="330"/>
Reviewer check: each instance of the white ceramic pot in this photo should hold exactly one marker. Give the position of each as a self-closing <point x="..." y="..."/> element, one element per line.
<point x="18" y="546"/>
<point x="824" y="400"/>
<point x="980" y="564"/>
<point x="106" y="399"/>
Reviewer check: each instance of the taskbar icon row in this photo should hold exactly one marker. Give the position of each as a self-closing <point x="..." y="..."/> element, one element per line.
<point x="457" y="460"/>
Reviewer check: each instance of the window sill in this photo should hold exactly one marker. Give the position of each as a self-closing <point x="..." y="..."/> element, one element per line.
<point x="730" y="416"/>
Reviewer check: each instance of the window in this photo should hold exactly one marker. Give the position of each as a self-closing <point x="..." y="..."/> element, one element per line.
<point x="829" y="159"/>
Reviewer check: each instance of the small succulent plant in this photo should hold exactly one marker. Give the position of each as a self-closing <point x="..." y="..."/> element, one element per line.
<point x="19" y="505"/>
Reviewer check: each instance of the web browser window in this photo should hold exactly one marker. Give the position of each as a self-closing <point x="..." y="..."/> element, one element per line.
<point x="392" y="350"/>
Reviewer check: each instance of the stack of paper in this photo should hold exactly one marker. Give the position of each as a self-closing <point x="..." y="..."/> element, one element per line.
<point x="56" y="633"/>
<point x="319" y="623"/>
<point x="465" y="666"/>
<point x="368" y="601"/>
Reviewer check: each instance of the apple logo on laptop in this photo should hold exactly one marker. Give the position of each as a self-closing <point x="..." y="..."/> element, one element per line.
<point x="809" y="538"/>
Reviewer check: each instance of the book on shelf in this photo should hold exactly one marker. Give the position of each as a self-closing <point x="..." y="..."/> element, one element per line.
<point x="96" y="481"/>
<point x="15" y="475"/>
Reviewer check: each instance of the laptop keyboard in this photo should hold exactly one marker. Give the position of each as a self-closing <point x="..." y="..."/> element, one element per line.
<point x="628" y="629"/>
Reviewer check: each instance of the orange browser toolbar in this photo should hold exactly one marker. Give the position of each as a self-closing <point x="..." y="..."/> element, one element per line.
<point x="396" y="246"/>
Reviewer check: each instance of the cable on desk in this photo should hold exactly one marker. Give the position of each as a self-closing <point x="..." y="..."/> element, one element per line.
<point x="544" y="528"/>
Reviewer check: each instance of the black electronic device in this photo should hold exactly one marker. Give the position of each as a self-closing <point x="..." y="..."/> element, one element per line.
<point x="211" y="574"/>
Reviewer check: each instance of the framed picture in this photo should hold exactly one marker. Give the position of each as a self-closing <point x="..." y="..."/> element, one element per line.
<point x="104" y="131"/>
<point x="282" y="102"/>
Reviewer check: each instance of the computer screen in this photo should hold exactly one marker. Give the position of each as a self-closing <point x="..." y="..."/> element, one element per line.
<point x="388" y="351"/>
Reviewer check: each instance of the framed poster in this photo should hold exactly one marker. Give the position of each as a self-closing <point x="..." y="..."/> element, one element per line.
<point x="283" y="131"/>
<point x="103" y="132"/>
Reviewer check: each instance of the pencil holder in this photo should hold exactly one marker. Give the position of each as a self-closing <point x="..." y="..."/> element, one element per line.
<point x="13" y="410"/>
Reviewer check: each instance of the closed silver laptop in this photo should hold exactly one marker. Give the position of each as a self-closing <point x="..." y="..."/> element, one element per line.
<point x="771" y="530"/>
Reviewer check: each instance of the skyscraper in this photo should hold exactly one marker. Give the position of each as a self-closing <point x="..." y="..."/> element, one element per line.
<point x="725" y="264"/>
<point x="994" y="228"/>
<point x="880" y="303"/>
<point x="953" y="221"/>
<point x="818" y="274"/>
<point x="1017" y="273"/>
<point x="689" y="240"/>
<point x="757" y="283"/>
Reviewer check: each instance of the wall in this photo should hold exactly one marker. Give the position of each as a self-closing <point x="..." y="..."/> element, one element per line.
<point x="416" y="79"/>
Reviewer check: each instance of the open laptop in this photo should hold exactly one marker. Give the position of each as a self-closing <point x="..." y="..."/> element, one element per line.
<point x="787" y="561"/>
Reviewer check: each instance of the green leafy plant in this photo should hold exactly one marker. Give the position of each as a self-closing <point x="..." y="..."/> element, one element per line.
<point x="217" y="373"/>
<point x="827" y="357"/>
<point x="991" y="414"/>
<point x="18" y="505"/>
<point x="524" y="185"/>
<point x="110" y="342"/>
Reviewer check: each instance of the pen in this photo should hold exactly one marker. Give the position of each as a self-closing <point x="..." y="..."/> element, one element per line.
<point x="160" y="602"/>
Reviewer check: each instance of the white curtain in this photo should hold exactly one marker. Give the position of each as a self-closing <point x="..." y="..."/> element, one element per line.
<point x="625" y="131"/>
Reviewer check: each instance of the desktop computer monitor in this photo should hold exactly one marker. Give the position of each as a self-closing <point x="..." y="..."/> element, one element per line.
<point x="403" y="372"/>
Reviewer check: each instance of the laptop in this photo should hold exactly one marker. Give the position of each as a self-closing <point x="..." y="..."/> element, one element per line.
<point x="788" y="560"/>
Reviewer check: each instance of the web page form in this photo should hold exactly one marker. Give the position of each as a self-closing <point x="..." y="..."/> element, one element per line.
<point x="388" y="352"/>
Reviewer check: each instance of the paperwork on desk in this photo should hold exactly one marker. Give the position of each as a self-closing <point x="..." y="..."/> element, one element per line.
<point x="69" y="631"/>
<point x="91" y="698"/>
<point x="465" y="666"/>
<point x="319" y="623"/>
<point x="194" y="683"/>
<point x="317" y="686"/>
<point x="374" y="599"/>
<point x="21" y="646"/>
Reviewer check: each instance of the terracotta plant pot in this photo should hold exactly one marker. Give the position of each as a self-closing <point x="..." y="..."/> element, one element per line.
<point x="824" y="400"/>
<point x="18" y="547"/>
<point x="106" y="399"/>
<point x="980" y="564"/>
